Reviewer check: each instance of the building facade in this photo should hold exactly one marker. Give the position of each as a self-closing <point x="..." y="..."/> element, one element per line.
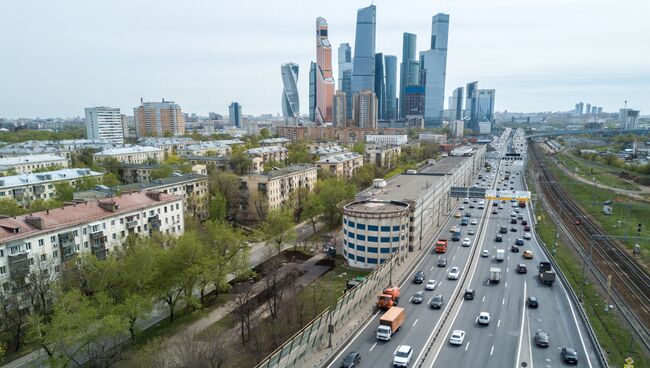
<point x="363" y="64"/>
<point x="25" y="188"/>
<point x="409" y="69"/>
<point x="345" y="76"/>
<point x="261" y="193"/>
<point x="290" y="98"/>
<point x="390" y="105"/>
<point x="456" y="105"/>
<point x="131" y="155"/>
<point x="340" y="109"/>
<point x="29" y="163"/>
<point x="380" y="84"/>
<point x="434" y="61"/>
<point x="387" y="139"/>
<point x="485" y="104"/>
<point x="104" y="123"/>
<point x="365" y="109"/>
<point x="49" y="240"/>
<point x="210" y="148"/>
<point x="383" y="156"/>
<point x="267" y="154"/>
<point x="414" y="101"/>
<point x="158" y="119"/>
<point x="342" y="165"/>
<point x="235" y="117"/>
<point x="324" y="77"/>
<point x="292" y="133"/>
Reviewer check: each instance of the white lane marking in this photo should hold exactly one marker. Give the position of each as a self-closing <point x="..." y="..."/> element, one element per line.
<point x="503" y="301"/>
<point x="483" y="301"/>
<point x="492" y="350"/>
<point x="521" y="330"/>
<point x="507" y="269"/>
<point x="429" y="302"/>
<point x="452" y="258"/>
<point x="373" y="346"/>
<point x="508" y="258"/>
<point x="431" y="268"/>
<point x="498" y="323"/>
<point x="506" y="284"/>
<point x="467" y="346"/>
<point x="416" y="321"/>
<point x="372" y="319"/>
<point x="410" y="299"/>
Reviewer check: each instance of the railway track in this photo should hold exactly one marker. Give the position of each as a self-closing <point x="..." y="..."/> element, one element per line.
<point x="629" y="282"/>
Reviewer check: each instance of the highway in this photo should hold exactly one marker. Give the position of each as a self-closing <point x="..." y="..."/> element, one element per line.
<point x="508" y="339"/>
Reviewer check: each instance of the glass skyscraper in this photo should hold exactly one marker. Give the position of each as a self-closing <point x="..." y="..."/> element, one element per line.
<point x="435" y="63"/>
<point x="390" y="98"/>
<point x="456" y="105"/>
<point x="380" y="86"/>
<point x="408" y="76"/>
<point x="290" y="101"/>
<point x="363" y="68"/>
<point x="485" y="105"/>
<point x="471" y="100"/>
<point x="312" y="91"/>
<point x="345" y="76"/>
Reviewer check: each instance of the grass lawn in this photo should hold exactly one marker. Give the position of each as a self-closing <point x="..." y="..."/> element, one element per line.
<point x="613" y="337"/>
<point x="614" y="224"/>
<point x="603" y="174"/>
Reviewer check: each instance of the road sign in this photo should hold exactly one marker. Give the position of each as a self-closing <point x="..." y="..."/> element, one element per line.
<point x="458" y="192"/>
<point x="476" y="192"/>
<point x="628" y="366"/>
<point x="629" y="361"/>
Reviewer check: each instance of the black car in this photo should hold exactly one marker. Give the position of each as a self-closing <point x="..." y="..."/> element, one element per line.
<point x="351" y="360"/>
<point x="442" y="262"/>
<point x="569" y="355"/>
<point x="494" y="204"/>
<point x="419" y="277"/>
<point x="469" y="294"/>
<point x="521" y="268"/>
<point x="503" y="230"/>
<point x="494" y="212"/>
<point x="541" y="339"/>
<point x="472" y="205"/>
<point x="437" y="301"/>
<point x="524" y="222"/>
<point x="514" y="249"/>
<point x="498" y="239"/>
<point x="418" y="297"/>
<point x="513" y="221"/>
<point x="513" y="229"/>
<point x="519" y="242"/>
<point x="532" y="302"/>
<point x="467" y="214"/>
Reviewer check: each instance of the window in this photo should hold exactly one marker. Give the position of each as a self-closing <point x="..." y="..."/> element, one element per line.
<point x="385" y="228"/>
<point x="112" y="222"/>
<point x="28" y="245"/>
<point x="55" y="254"/>
<point x="361" y="237"/>
<point x="351" y="256"/>
<point x="350" y="234"/>
<point x="3" y="270"/>
<point x="361" y="259"/>
<point x="361" y="248"/>
<point x="345" y="231"/>
<point x="2" y="253"/>
<point x="176" y="205"/>
<point x="85" y="244"/>
<point x="114" y="236"/>
<point x="396" y="228"/>
<point x="372" y="260"/>
<point x="351" y="224"/>
<point x="75" y="233"/>
<point x="31" y="261"/>
<point x="121" y="221"/>
<point x="361" y="226"/>
<point x="84" y="231"/>
<point x="372" y="250"/>
<point x="396" y="238"/>
<point x="41" y="242"/>
<point x="52" y="239"/>
<point x="351" y="245"/>
<point x="43" y="257"/>
<point x="122" y="234"/>
<point x="57" y="268"/>
<point x="385" y="239"/>
<point x="384" y="250"/>
<point x="372" y="239"/>
<point x="373" y="227"/>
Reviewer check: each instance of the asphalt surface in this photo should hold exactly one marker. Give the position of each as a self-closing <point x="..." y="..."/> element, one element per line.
<point x="508" y="339"/>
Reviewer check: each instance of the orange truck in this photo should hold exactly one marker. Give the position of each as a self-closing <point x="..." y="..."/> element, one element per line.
<point x="522" y="204"/>
<point x="388" y="298"/>
<point x="441" y="245"/>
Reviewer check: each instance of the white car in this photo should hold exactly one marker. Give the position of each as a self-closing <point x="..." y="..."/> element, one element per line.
<point x="500" y="206"/>
<point x="403" y="356"/>
<point x="485" y="253"/>
<point x="527" y="236"/>
<point x="471" y="231"/>
<point x="431" y="284"/>
<point x="466" y="200"/>
<point x="473" y="222"/>
<point x="457" y="337"/>
<point x="466" y="242"/>
<point x="461" y="207"/>
<point x="453" y="273"/>
<point x="483" y="318"/>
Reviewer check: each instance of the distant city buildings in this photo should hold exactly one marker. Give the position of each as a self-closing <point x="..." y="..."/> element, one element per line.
<point x="157" y="119"/>
<point x="380" y="84"/>
<point x="290" y="98"/>
<point x="104" y="123"/>
<point x="324" y="78"/>
<point x="340" y="109"/>
<point x="485" y="105"/>
<point x="363" y="68"/>
<point x="456" y="105"/>
<point x="434" y="61"/>
<point x="313" y="72"/>
<point x="413" y="104"/>
<point x="579" y="108"/>
<point x="390" y="103"/>
<point x="365" y="109"/>
<point x="235" y="115"/>
<point x="628" y="118"/>
<point x="409" y="69"/>
<point x="345" y="77"/>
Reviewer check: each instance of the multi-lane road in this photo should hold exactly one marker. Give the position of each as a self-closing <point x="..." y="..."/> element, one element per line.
<point x="508" y="340"/>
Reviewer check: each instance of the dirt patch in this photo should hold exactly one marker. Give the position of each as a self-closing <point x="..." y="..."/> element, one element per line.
<point x="287" y="256"/>
<point x="328" y="262"/>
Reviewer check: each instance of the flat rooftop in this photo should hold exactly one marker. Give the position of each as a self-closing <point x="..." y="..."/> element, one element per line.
<point x="445" y="166"/>
<point x="376" y="206"/>
<point x="401" y="187"/>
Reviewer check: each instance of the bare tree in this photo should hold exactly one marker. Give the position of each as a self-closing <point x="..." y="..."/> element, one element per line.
<point x="41" y="279"/>
<point x="244" y="307"/>
<point x="12" y="320"/>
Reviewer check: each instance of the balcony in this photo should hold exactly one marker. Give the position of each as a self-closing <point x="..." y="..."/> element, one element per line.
<point x="97" y="235"/>
<point x="39" y="189"/>
<point x="131" y="224"/>
<point x="19" y="267"/>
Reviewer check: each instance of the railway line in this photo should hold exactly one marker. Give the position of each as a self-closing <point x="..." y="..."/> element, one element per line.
<point x="630" y="284"/>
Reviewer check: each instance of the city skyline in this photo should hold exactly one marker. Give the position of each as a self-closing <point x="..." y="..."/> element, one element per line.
<point x="531" y="72"/>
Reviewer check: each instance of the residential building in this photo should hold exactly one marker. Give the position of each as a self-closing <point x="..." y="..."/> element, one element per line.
<point x="292" y="133"/>
<point x="435" y="138"/>
<point x="413" y="105"/>
<point x="324" y="149"/>
<point x="363" y="64"/>
<point x="104" y="123"/>
<point x="380" y="85"/>
<point x="345" y="77"/>
<point x="340" y="109"/>
<point x="267" y="154"/>
<point x="262" y="192"/>
<point x="235" y="117"/>
<point x="159" y="119"/>
<point x="169" y="145"/>
<point x="209" y="148"/>
<point x="588" y="109"/>
<point x="628" y="118"/>
<point x="29" y="163"/>
<point x="434" y="61"/>
<point x="193" y="188"/>
<point x="131" y="155"/>
<point x="382" y="156"/>
<point x="343" y="165"/>
<point x="64" y="148"/>
<point x="456" y="105"/>
<point x="324" y="77"/>
<point x="25" y="188"/>
<point x="387" y="139"/>
<point x="290" y="98"/>
<point x="282" y="142"/>
<point x="365" y="109"/>
<point x="409" y="69"/>
<point x="579" y="108"/>
<point x="48" y="241"/>
<point x="142" y="173"/>
<point x="390" y="104"/>
<point x="457" y="128"/>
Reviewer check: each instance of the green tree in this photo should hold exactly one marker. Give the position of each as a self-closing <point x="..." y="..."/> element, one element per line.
<point x="331" y="192"/>
<point x="298" y="153"/>
<point x="365" y="175"/>
<point x="112" y="165"/>
<point x="110" y="180"/>
<point x="49" y="168"/>
<point x="64" y="191"/>
<point x="218" y="207"/>
<point x="264" y="133"/>
<point x="359" y="148"/>
<point x="227" y="184"/>
<point x="86" y="183"/>
<point x="162" y="171"/>
<point x="312" y="209"/>
<point x="10" y="207"/>
<point x="241" y="161"/>
<point x="228" y="253"/>
<point x="278" y="227"/>
<point x="38" y="205"/>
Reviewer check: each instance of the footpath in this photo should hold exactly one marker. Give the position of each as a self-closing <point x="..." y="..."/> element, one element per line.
<point x="259" y="253"/>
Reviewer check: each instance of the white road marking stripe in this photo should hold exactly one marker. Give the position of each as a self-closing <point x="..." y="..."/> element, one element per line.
<point x="429" y="302"/>
<point x="373" y="346"/>
<point x="503" y="301"/>
<point x="492" y="350"/>
<point x="483" y="301"/>
<point x="416" y="321"/>
<point x="467" y="346"/>
<point x="410" y="299"/>
<point x="506" y="284"/>
<point x="498" y="323"/>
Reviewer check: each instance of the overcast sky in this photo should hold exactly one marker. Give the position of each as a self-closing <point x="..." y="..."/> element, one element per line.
<point x="58" y="57"/>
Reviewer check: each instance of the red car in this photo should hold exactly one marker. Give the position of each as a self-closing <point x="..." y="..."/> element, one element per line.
<point x="527" y="228"/>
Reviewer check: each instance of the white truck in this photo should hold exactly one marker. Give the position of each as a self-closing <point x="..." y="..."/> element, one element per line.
<point x="501" y="255"/>
<point x="495" y="275"/>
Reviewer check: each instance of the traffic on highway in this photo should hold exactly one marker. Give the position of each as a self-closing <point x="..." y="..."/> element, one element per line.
<point x="485" y="295"/>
